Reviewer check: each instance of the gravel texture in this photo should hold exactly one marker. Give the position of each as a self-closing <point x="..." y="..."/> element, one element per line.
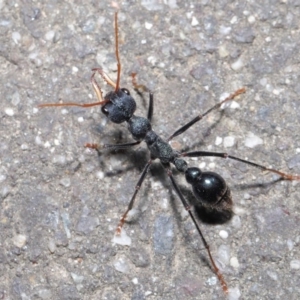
<point x="60" y="203"/>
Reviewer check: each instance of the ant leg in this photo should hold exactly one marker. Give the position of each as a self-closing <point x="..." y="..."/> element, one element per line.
<point x="111" y="146"/>
<point x="121" y="146"/>
<point x="144" y="89"/>
<point x="285" y="176"/>
<point x="97" y="90"/>
<point x="105" y="77"/>
<point x="199" y="117"/>
<point x="150" y="108"/>
<point x="137" y="188"/>
<point x="138" y="86"/>
<point x="188" y="208"/>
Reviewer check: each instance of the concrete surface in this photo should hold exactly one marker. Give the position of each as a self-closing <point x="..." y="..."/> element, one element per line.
<point x="60" y="203"/>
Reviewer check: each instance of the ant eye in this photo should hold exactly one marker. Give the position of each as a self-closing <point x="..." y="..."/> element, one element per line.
<point x="104" y="110"/>
<point x="125" y="91"/>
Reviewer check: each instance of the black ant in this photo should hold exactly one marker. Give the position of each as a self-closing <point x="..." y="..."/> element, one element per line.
<point x="209" y="188"/>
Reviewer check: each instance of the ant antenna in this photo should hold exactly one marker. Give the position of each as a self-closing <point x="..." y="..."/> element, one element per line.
<point x="117" y="53"/>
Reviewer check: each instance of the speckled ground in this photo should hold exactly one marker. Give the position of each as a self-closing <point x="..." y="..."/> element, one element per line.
<point x="60" y="203"/>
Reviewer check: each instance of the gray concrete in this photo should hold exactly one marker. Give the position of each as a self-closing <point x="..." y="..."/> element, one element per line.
<point x="60" y="203"/>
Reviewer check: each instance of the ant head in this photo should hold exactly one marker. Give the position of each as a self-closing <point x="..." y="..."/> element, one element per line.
<point x="119" y="106"/>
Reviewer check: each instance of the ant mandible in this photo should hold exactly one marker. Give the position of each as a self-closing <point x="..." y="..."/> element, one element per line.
<point x="209" y="188"/>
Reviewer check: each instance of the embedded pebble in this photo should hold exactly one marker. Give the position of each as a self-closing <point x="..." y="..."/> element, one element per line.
<point x="251" y="19"/>
<point x="290" y="244"/>
<point x="148" y="25"/>
<point x="45" y="294"/>
<point x="2" y="177"/>
<point x="223" y="234"/>
<point x="66" y="181"/>
<point x="77" y="278"/>
<point x="15" y="98"/>
<point x="50" y="35"/>
<point x="4" y="191"/>
<point x="236" y="221"/>
<point x="19" y="240"/>
<point x="234" y="293"/>
<point x="59" y="160"/>
<point x="295" y="264"/>
<point x="121" y="264"/>
<point x="218" y="141"/>
<point x="152" y="5"/>
<point x="66" y="222"/>
<point x="228" y="141"/>
<point x="225" y="30"/>
<point x="16" y="36"/>
<point x="122" y="239"/>
<point x="224" y="254"/>
<point x="237" y="65"/>
<point x="223" y="52"/>
<point x="163" y="234"/>
<point x="135" y="280"/>
<point x="51" y="245"/>
<point x="234" y="262"/>
<point x="195" y="22"/>
<point x="252" y="140"/>
<point x="212" y="280"/>
<point x="9" y="111"/>
<point x="100" y="175"/>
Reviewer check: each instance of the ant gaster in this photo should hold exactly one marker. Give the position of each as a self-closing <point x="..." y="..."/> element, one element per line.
<point x="209" y="188"/>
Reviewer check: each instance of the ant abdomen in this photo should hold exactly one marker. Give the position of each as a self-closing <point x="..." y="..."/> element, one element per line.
<point x="212" y="192"/>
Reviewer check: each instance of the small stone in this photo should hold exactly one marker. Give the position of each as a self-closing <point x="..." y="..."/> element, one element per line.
<point x="15" y="98"/>
<point x="19" y="240"/>
<point x="148" y="25"/>
<point x="234" y="293"/>
<point x="51" y="246"/>
<point x="194" y="22"/>
<point x="122" y="239"/>
<point x="295" y="264"/>
<point x="224" y="254"/>
<point x="252" y="140"/>
<point x="16" y="36"/>
<point x="251" y="19"/>
<point x="45" y="294"/>
<point x="228" y="141"/>
<point x="238" y="64"/>
<point x="223" y="52"/>
<point x="50" y="35"/>
<point x="223" y="234"/>
<point x="234" y="262"/>
<point x="66" y="181"/>
<point x="121" y="264"/>
<point x="135" y="280"/>
<point x="77" y="278"/>
<point x="218" y="141"/>
<point x="59" y="160"/>
<point x="9" y="111"/>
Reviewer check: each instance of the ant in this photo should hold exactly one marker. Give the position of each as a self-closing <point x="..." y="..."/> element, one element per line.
<point x="209" y="188"/>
